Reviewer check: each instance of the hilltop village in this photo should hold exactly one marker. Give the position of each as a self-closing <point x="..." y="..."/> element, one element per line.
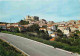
<point x="53" y="29"/>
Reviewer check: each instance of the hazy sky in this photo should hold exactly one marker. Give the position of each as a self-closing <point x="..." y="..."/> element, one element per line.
<point x="51" y="10"/>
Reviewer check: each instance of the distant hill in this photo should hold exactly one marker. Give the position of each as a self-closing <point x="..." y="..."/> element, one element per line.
<point x="3" y="23"/>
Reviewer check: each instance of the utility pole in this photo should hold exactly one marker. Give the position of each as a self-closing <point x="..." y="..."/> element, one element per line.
<point x="10" y="23"/>
<point x="10" y="20"/>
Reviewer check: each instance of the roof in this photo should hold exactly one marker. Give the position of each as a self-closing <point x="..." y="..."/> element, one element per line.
<point x="25" y="25"/>
<point x="14" y="23"/>
<point x="53" y="34"/>
<point x="63" y="26"/>
<point x="52" y="39"/>
<point x="10" y="26"/>
<point x="78" y="20"/>
<point x="49" y="29"/>
<point x="76" y="27"/>
<point x="50" y="25"/>
<point x="13" y="26"/>
<point x="78" y="24"/>
<point x="2" y="24"/>
<point x="42" y="28"/>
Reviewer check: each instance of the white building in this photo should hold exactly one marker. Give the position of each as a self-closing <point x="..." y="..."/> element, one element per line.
<point x="53" y="27"/>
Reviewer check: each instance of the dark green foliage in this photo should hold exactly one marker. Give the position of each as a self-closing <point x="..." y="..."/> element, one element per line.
<point x="0" y="29"/>
<point x="77" y="31"/>
<point x="56" y="27"/>
<point x="45" y="26"/>
<point x="33" y="28"/>
<point x="14" y="29"/>
<point x="59" y="33"/>
<point x="44" y="35"/>
<point x="22" y="22"/>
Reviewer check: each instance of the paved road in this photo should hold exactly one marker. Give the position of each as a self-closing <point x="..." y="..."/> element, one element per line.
<point x="33" y="48"/>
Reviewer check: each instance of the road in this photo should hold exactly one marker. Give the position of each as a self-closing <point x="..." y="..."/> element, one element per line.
<point x="33" y="48"/>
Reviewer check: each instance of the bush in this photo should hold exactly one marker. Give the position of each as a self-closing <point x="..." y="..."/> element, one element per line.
<point x="7" y="50"/>
<point x="33" y="28"/>
<point x="22" y="22"/>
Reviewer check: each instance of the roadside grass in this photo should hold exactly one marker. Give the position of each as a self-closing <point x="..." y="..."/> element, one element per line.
<point x="8" y="50"/>
<point x="55" y="44"/>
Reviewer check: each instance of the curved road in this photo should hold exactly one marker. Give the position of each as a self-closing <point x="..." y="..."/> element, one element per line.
<point x="32" y="47"/>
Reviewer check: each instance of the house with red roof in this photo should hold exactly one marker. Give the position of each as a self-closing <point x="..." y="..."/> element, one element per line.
<point x="3" y="26"/>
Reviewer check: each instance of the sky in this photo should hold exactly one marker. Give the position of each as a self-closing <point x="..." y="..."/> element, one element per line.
<point x="51" y="10"/>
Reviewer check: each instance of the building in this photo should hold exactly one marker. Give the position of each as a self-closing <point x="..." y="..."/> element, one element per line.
<point x="72" y="21"/>
<point x="44" y="29"/>
<point x="31" y="18"/>
<point x="43" y="21"/>
<point x="78" y="22"/>
<point x="61" y="28"/>
<point x="74" y="28"/>
<point x="16" y="25"/>
<point x="50" y="31"/>
<point x="53" y="27"/>
<point x="3" y="26"/>
<point x="53" y="35"/>
<point x="52" y="39"/>
<point x="50" y="22"/>
<point x="79" y="27"/>
<point x="66" y="31"/>
<point x="61" y="24"/>
<point x="8" y="25"/>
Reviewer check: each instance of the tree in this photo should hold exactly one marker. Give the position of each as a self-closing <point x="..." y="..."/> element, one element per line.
<point x="77" y="31"/>
<point x="44" y="35"/>
<point x="56" y="27"/>
<point x="0" y="29"/>
<point x="59" y="33"/>
<point x="14" y="29"/>
<point x="44" y="26"/>
<point x="33" y="28"/>
<point x="22" y="22"/>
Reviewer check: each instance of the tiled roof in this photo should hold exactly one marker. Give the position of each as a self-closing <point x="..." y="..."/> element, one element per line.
<point x="2" y="24"/>
<point x="14" y="23"/>
<point x="76" y="27"/>
<point x="42" y="28"/>
<point x="52" y="39"/>
<point x="50" y="25"/>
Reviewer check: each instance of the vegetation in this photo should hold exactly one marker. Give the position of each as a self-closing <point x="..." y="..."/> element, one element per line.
<point x="22" y="22"/>
<point x="3" y="23"/>
<point x="7" y="50"/>
<point x="59" y="33"/>
<point x="0" y="29"/>
<point x="12" y="29"/>
<point x="63" y="43"/>
<point x="40" y="34"/>
<point x="45" y="26"/>
<point x="44" y="35"/>
<point x="33" y="28"/>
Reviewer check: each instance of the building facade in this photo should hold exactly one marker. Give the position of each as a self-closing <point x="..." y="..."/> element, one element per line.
<point x="32" y="18"/>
